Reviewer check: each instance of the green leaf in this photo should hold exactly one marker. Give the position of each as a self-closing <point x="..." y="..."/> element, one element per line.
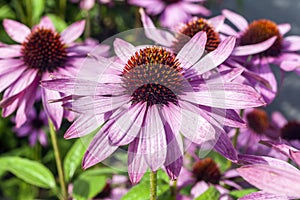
<point x="38" y="7"/>
<point x="210" y="194"/>
<point x="29" y="171"/>
<point x="86" y="186"/>
<point x="220" y="160"/>
<point x="141" y="191"/>
<point x="73" y="159"/>
<point x="240" y="193"/>
<point x="59" y="24"/>
<point x="6" y="12"/>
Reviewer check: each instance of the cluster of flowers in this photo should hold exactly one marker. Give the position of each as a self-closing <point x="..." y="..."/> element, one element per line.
<point x="193" y="82"/>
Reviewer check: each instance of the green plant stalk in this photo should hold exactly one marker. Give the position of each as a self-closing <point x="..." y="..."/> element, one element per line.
<point x="29" y="12"/>
<point x="153" y="185"/>
<point x="62" y="8"/>
<point x="87" y="32"/>
<point x="58" y="161"/>
<point x="174" y="190"/>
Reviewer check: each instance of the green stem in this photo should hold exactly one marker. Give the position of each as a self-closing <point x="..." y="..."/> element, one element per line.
<point x="87" y="32"/>
<point x="58" y="161"/>
<point x="237" y="132"/>
<point x="62" y="6"/>
<point x="153" y="185"/>
<point x="174" y="190"/>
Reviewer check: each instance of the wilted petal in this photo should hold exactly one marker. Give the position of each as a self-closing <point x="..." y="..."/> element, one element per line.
<point x="73" y="32"/>
<point x="17" y="31"/>
<point x="239" y="21"/>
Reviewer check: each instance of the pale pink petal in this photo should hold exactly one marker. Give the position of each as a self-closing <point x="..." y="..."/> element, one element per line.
<point x="264" y="196"/>
<point x="168" y="19"/>
<point x="284" y="28"/>
<point x="226" y="29"/>
<point x="192" y="51"/>
<point x="123" y="49"/>
<point x="127" y="126"/>
<point x="292" y="43"/>
<point x="217" y="22"/>
<point x="253" y="48"/>
<point x="87" y="4"/>
<point x="7" y="64"/>
<point x="42" y="137"/>
<point x="153" y="139"/>
<point x="53" y="110"/>
<point x="195" y="9"/>
<point x="278" y="119"/>
<point x="46" y="23"/>
<point x="8" y="52"/>
<point x="216" y="57"/>
<point x="289" y="65"/>
<point x="98" y="150"/>
<point x="161" y="37"/>
<point x="199" y="188"/>
<point x="295" y="156"/>
<point x="10" y="76"/>
<point x="239" y="21"/>
<point x="228" y="96"/>
<point x="137" y="165"/>
<point x="73" y="32"/>
<point x="264" y="177"/>
<point x="17" y="31"/>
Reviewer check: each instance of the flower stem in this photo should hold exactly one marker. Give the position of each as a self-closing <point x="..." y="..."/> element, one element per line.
<point x="174" y="190"/>
<point x="237" y="132"/>
<point x="153" y="185"/>
<point x="58" y="161"/>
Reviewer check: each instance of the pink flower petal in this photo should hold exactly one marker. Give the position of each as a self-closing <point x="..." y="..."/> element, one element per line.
<point x="284" y="28"/>
<point x="289" y="65"/>
<point x="9" y="52"/>
<point x="159" y="36"/>
<point x="239" y="21"/>
<point x="9" y="77"/>
<point x="73" y="32"/>
<point x="217" y="22"/>
<point x="226" y="29"/>
<point x="195" y="9"/>
<point x="46" y="23"/>
<point x="98" y="150"/>
<point x="216" y="57"/>
<point x="192" y="51"/>
<point x="224" y="146"/>
<point x="295" y="156"/>
<point x="278" y="119"/>
<point x="123" y="49"/>
<point x="292" y="43"/>
<point x="253" y="48"/>
<point x="264" y="177"/>
<point x="17" y="31"/>
<point x="168" y="19"/>
<point x="263" y="196"/>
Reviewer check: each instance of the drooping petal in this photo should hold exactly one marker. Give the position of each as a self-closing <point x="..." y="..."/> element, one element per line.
<point x="216" y="57"/>
<point x="161" y="37"/>
<point x="239" y="21"/>
<point x="137" y="165"/>
<point x="263" y="196"/>
<point x="153" y="139"/>
<point x="98" y="150"/>
<point x="123" y="49"/>
<point x="127" y="126"/>
<point x="168" y="19"/>
<point x="278" y="119"/>
<point x="224" y="146"/>
<point x="251" y="49"/>
<point x="17" y="31"/>
<point x="228" y="96"/>
<point x="264" y="177"/>
<point x="53" y="110"/>
<point x="73" y="32"/>
<point x="193" y="50"/>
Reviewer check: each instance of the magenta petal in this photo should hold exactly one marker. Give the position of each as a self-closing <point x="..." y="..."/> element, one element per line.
<point x="123" y="49"/>
<point x="168" y="19"/>
<point x="216" y="57"/>
<point x="53" y="110"/>
<point x="159" y="36"/>
<point x="127" y="126"/>
<point x="17" y="31"/>
<point x="284" y="28"/>
<point x="278" y="119"/>
<point x="137" y="165"/>
<point x="264" y="196"/>
<point x="295" y="156"/>
<point x="217" y="22"/>
<point x="264" y="177"/>
<point x="9" y="52"/>
<point x="254" y="48"/>
<point x="239" y="21"/>
<point x="292" y="43"/>
<point x="73" y="32"/>
<point x="192" y="51"/>
<point x="42" y="137"/>
<point x="46" y="23"/>
<point x="224" y="146"/>
<point x="98" y="150"/>
<point x="289" y="65"/>
<point x="153" y="139"/>
<point x="9" y="77"/>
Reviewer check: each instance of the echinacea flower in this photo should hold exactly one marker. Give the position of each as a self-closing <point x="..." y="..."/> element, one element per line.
<point x="34" y="128"/>
<point x="260" y="44"/>
<point x="276" y="178"/>
<point x="41" y="51"/>
<point x="89" y="4"/>
<point x="147" y="101"/>
<point x="184" y="10"/>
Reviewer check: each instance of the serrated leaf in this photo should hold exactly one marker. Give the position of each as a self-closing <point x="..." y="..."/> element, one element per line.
<point x="73" y="159"/>
<point x="141" y="191"/>
<point x="210" y="194"/>
<point x="86" y="186"/>
<point x="59" y="24"/>
<point x="29" y="171"/>
<point x="240" y="193"/>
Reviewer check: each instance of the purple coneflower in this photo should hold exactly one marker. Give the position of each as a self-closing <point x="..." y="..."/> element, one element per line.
<point x="263" y="41"/>
<point x="184" y="10"/>
<point x="41" y="52"/>
<point x="89" y="4"/>
<point x="146" y="100"/>
<point x="33" y="128"/>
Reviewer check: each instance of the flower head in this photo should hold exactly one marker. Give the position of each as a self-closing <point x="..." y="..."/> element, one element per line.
<point x="148" y="97"/>
<point x="41" y="51"/>
<point x="184" y="9"/>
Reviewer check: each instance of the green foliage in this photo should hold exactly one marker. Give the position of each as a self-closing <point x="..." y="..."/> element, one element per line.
<point x="240" y="193"/>
<point x="210" y="194"/>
